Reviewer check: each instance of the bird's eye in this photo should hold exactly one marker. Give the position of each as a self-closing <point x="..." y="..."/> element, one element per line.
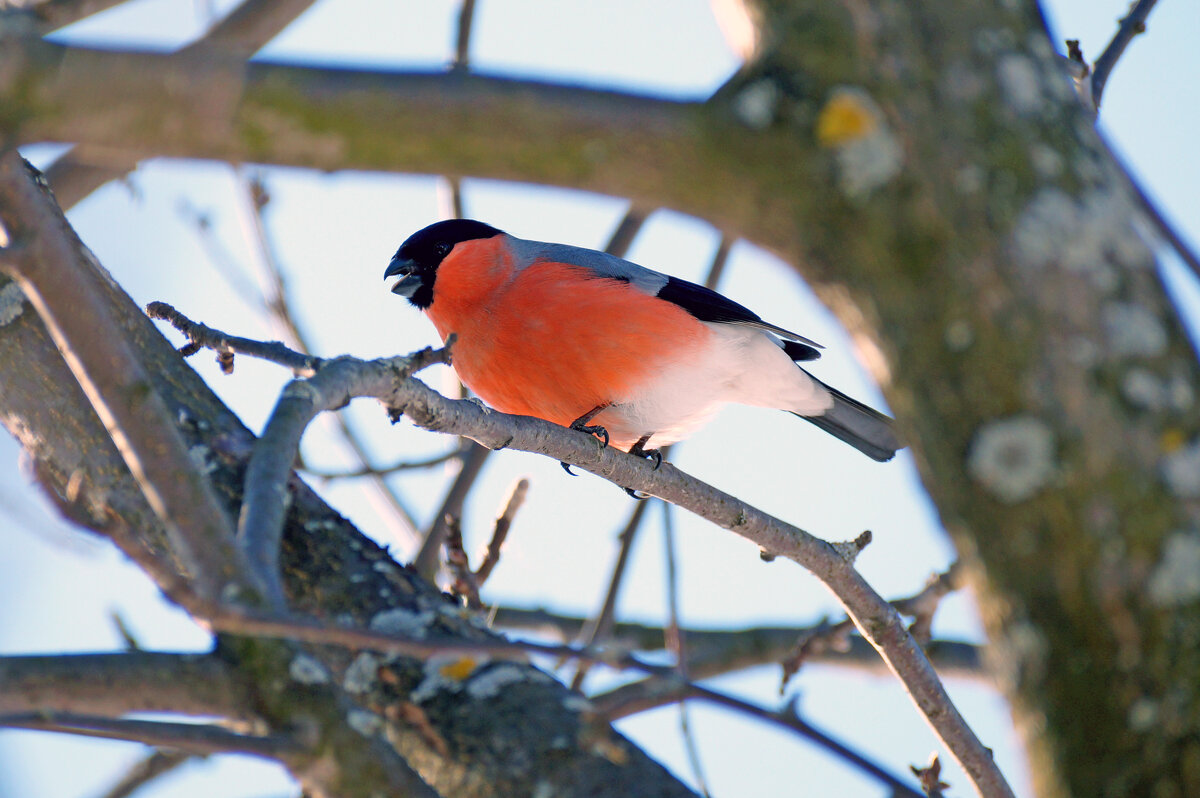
<point x="442" y="249"/>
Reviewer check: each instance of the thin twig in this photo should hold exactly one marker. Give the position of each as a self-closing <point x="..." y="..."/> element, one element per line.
<point x="462" y="42"/>
<point x="788" y="718"/>
<point x="599" y="628"/>
<point x="920" y="606"/>
<point x="500" y="532"/>
<point x="626" y="231"/>
<point x="384" y="470"/>
<point x="713" y="652"/>
<point x="463" y="582"/>
<point x="676" y="645"/>
<point x="205" y="336"/>
<point x="1130" y="26"/>
<point x="426" y="561"/>
<point x="249" y="27"/>
<point x="190" y="738"/>
<point x="144" y="771"/>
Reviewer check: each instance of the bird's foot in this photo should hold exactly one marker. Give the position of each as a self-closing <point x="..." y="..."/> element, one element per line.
<point x="639" y="450"/>
<point x="581" y="424"/>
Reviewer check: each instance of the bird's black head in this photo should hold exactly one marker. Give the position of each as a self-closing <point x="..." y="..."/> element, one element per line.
<point x="418" y="258"/>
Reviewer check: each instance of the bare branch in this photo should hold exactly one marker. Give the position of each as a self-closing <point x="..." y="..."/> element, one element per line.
<point x="122" y="393"/>
<point x="462" y="42"/>
<point x="250" y="27"/>
<point x="463" y="584"/>
<point x="426" y="561"/>
<point x="202" y="335"/>
<point x="627" y="229"/>
<point x="159" y="763"/>
<point x="600" y="628"/>
<point x="921" y="607"/>
<point x="714" y="652"/>
<point x="1130" y="26"/>
<point x="384" y="470"/>
<point x="55" y="14"/>
<point x="333" y="386"/>
<point x="114" y="684"/>
<point x="189" y="738"/>
<point x="500" y="532"/>
<point x="789" y="719"/>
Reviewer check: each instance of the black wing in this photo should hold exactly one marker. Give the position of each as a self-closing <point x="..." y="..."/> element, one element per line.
<point x="707" y="305"/>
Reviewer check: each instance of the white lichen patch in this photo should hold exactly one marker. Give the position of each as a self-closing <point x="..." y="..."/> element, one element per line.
<point x="306" y="670"/>
<point x="202" y="458"/>
<point x="1181" y="471"/>
<point x="867" y="151"/>
<point x="1143" y="389"/>
<point x="577" y="703"/>
<point x="368" y="724"/>
<point x="489" y="683"/>
<point x="1013" y="458"/>
<point x="1044" y="228"/>
<point x="1046" y="161"/>
<point x="1133" y="331"/>
<point x="362" y="674"/>
<point x="404" y="623"/>
<point x="1180" y="394"/>
<point x="1176" y="578"/>
<point x="12" y="303"/>
<point x="1020" y="83"/>
<point x="1143" y="714"/>
<point x="1088" y="236"/>
<point x="757" y="103"/>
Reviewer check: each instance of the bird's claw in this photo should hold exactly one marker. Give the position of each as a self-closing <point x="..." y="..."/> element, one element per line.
<point x="593" y="429"/>
<point x="639" y="450"/>
<point x="567" y="468"/>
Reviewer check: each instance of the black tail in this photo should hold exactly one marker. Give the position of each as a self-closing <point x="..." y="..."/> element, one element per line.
<point x="851" y="421"/>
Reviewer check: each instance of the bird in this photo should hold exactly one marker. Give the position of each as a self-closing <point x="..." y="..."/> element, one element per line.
<point x="597" y="343"/>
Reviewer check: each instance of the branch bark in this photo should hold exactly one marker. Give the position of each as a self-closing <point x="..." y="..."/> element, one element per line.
<point x="114" y="684"/>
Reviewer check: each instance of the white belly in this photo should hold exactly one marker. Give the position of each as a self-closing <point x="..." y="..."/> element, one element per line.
<point x="742" y="365"/>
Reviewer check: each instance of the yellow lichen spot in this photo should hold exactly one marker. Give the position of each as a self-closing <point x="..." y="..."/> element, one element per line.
<point x="1172" y="439"/>
<point x="846" y="117"/>
<point x="458" y="670"/>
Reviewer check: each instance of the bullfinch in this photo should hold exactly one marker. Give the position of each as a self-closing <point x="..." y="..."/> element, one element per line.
<point x="593" y="342"/>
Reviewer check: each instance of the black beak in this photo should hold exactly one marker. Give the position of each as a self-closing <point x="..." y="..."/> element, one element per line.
<point x="410" y="279"/>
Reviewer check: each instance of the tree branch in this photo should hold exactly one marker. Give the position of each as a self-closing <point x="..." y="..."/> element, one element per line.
<point x="1130" y="26"/>
<point x="114" y="684"/>
<point x="249" y="27"/>
<point x="190" y="738"/>
<point x="46" y="266"/>
<point x="159" y="763"/>
<point x="712" y="652"/>
<point x="260" y="528"/>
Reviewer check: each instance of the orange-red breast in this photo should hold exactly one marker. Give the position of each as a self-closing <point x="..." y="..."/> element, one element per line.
<point x="590" y="340"/>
